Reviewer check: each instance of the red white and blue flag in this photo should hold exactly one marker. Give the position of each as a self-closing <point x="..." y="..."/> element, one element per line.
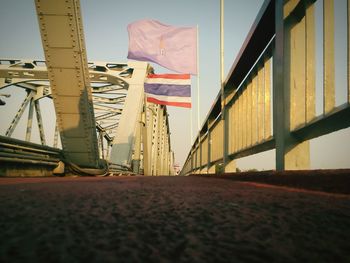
<point x="169" y="89"/>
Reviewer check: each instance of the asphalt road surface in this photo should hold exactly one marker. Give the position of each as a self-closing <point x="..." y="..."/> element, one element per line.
<point x="169" y="219"/>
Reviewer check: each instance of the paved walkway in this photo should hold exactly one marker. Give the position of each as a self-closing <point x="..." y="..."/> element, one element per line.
<point x="169" y="219"/>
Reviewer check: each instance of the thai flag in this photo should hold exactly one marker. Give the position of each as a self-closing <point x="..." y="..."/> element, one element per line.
<point x="169" y="89"/>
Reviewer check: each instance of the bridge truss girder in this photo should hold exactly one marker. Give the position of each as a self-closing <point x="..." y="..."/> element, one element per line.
<point x="126" y="125"/>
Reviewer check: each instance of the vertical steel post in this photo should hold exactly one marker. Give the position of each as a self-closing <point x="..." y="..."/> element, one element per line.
<point x="279" y="93"/>
<point x="146" y="142"/>
<point x="19" y="114"/>
<point x="55" y="137"/>
<point x="137" y="148"/>
<point x="30" y="120"/>
<point x="209" y="147"/>
<point x="40" y="122"/>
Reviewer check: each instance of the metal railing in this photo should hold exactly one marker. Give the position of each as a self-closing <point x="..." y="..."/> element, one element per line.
<point x="270" y="92"/>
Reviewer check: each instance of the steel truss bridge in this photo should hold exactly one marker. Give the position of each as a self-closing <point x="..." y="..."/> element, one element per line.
<point x="268" y="100"/>
<point x="102" y="119"/>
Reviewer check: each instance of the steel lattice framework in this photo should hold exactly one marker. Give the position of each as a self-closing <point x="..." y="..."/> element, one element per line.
<point x="87" y="97"/>
<point x="110" y="88"/>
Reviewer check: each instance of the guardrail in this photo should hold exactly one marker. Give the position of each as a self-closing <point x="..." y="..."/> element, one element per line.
<point x="269" y="93"/>
<point x="21" y="158"/>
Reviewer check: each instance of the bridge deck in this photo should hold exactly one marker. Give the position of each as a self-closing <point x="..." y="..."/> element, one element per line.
<point x="168" y="219"/>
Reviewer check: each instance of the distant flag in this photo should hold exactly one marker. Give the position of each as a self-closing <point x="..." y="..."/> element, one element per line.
<point x="172" y="47"/>
<point x="169" y="89"/>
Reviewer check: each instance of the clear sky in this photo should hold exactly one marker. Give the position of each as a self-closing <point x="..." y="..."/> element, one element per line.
<point x="106" y="38"/>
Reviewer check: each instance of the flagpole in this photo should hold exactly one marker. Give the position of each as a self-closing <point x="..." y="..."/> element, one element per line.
<point x="222" y="84"/>
<point x="198" y="99"/>
<point x="191" y="130"/>
<point x="222" y="53"/>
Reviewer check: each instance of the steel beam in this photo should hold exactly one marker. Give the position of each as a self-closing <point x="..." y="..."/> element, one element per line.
<point x="123" y="144"/>
<point x="19" y="113"/>
<point x="63" y="41"/>
<point x="30" y="120"/>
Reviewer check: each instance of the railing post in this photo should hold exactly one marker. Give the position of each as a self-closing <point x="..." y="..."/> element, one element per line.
<point x="209" y="148"/>
<point x="291" y="154"/>
<point x="279" y="97"/>
<point x="229" y="165"/>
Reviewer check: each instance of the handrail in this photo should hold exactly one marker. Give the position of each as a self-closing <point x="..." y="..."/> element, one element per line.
<point x="270" y="92"/>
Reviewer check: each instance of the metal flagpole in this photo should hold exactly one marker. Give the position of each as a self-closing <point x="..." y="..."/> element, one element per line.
<point x="222" y="53"/>
<point x="198" y="100"/>
<point x="223" y="110"/>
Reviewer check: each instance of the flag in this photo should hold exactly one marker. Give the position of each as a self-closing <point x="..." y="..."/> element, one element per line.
<point x="174" y="48"/>
<point x="169" y="89"/>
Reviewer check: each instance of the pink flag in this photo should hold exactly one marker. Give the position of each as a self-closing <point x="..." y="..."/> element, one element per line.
<point x="172" y="47"/>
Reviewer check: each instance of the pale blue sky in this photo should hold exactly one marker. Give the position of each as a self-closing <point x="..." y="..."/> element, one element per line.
<point x="106" y="37"/>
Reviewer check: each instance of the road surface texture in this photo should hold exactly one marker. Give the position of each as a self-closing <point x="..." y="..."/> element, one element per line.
<point x="169" y="219"/>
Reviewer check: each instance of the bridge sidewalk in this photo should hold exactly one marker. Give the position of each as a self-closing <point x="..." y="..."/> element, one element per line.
<point x="169" y="219"/>
<point x="332" y="181"/>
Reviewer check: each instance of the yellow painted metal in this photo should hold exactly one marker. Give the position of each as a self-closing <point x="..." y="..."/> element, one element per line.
<point x="205" y="150"/>
<point x="261" y="104"/>
<point x="232" y="133"/>
<point x="237" y="125"/>
<point x="194" y="160"/>
<point x="211" y="169"/>
<point x="230" y="129"/>
<point x="240" y="121"/>
<point x="244" y="118"/>
<point x="198" y="160"/>
<point x="217" y="141"/>
<point x="254" y="110"/>
<point x="328" y="49"/>
<point x="230" y="167"/>
<point x="289" y="6"/>
<point x="310" y="64"/>
<point x="249" y="113"/>
<point x="204" y="170"/>
<point x="297" y="75"/>
<point x="296" y="154"/>
<point x="267" y="99"/>
<point x="234" y="128"/>
<point x="298" y="157"/>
